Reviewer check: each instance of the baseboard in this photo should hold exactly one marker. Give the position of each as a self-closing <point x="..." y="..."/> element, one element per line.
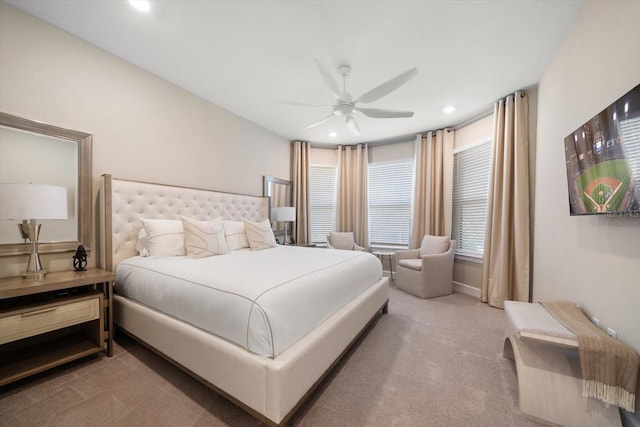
<point x="466" y="289"/>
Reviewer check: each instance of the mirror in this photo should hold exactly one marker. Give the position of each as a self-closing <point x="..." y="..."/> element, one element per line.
<point x="279" y="190"/>
<point x="35" y="152"/>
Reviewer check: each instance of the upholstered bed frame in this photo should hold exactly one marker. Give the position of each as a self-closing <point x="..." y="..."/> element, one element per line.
<point x="269" y="389"/>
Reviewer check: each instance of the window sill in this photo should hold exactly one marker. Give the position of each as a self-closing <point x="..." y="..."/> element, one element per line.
<point x="469" y="258"/>
<point x="388" y="247"/>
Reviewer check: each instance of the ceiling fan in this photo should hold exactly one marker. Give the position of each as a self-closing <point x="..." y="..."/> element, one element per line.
<point x="347" y="107"/>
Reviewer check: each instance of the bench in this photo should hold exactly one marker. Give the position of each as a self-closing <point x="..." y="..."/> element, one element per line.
<point x="548" y="369"/>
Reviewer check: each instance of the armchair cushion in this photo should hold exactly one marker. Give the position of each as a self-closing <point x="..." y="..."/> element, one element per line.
<point x="412" y="263"/>
<point x="434" y="245"/>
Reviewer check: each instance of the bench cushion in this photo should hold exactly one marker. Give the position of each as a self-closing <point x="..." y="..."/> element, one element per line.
<point x="533" y="318"/>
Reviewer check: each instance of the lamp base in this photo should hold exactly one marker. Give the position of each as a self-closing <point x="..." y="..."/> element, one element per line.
<point x="34" y="267"/>
<point x="34" y="274"/>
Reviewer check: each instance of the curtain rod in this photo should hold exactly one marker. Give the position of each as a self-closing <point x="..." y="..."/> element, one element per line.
<point x="484" y="113"/>
<point x="479" y="116"/>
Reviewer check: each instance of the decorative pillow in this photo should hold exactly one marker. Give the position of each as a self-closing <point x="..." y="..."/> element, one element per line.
<point x="165" y="237"/>
<point x="235" y="235"/>
<point x="204" y="238"/>
<point x="141" y="244"/>
<point x="259" y="234"/>
<point x="434" y="245"/>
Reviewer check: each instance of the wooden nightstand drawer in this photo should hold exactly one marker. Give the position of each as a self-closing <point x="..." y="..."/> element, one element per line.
<point x="38" y="320"/>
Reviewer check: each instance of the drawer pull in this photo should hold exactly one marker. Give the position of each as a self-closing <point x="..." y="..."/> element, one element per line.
<point x="34" y="313"/>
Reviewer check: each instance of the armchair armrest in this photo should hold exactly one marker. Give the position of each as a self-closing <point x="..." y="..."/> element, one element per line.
<point x="358" y="248"/>
<point x="439" y="266"/>
<point x="437" y="259"/>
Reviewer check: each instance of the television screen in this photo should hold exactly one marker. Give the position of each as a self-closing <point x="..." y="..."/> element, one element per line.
<point x="603" y="160"/>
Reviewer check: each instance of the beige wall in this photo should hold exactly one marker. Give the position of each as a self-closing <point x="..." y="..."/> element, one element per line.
<point x="377" y="153"/>
<point x="143" y="127"/>
<point x="391" y="152"/>
<point x="593" y="261"/>
<point x="475" y="132"/>
<point x="322" y="156"/>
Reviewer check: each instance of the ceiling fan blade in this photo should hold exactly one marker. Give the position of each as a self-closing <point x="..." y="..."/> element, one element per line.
<point x="380" y="113"/>
<point x="305" y="105"/>
<point x="352" y="125"/>
<point x="328" y="78"/>
<point x="387" y="87"/>
<point x="319" y="122"/>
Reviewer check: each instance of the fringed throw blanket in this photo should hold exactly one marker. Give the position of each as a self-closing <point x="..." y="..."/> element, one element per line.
<point x="609" y="367"/>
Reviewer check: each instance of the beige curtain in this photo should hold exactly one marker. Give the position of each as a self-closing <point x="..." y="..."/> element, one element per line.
<point x="432" y="188"/>
<point x="352" y="210"/>
<point x="505" y="274"/>
<point x="300" y="177"/>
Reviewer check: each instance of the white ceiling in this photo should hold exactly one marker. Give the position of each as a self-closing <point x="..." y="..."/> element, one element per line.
<point x="247" y="56"/>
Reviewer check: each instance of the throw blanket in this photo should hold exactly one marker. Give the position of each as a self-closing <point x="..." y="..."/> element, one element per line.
<point x="609" y="367"/>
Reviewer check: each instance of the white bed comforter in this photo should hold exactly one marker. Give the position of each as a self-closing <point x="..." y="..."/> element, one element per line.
<point x="264" y="301"/>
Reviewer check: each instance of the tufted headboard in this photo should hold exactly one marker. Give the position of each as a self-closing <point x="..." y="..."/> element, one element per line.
<point x="124" y="202"/>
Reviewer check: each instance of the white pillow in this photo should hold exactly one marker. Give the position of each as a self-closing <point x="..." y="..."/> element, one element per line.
<point x="141" y="244"/>
<point x="235" y="235"/>
<point x="434" y="245"/>
<point x="204" y="238"/>
<point x="259" y="234"/>
<point x="165" y="237"/>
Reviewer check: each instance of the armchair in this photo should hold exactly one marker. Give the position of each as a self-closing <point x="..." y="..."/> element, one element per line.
<point x="427" y="272"/>
<point x="343" y="240"/>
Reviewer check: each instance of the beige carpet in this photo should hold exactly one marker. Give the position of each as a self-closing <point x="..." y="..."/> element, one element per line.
<point x="434" y="362"/>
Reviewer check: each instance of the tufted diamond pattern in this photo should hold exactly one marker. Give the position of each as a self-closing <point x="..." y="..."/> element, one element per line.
<point x="131" y="200"/>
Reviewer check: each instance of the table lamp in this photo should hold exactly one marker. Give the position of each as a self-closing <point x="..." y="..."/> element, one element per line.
<point x="32" y="202"/>
<point x="286" y="214"/>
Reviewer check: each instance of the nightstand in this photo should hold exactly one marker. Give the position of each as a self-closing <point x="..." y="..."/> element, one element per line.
<point x="381" y="254"/>
<point x="45" y="323"/>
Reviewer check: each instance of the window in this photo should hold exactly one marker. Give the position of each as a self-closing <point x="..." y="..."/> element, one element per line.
<point x="390" y="194"/>
<point x="322" y="190"/>
<point x="471" y="168"/>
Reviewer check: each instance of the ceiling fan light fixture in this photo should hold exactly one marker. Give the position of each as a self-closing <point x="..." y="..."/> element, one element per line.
<point x="449" y="109"/>
<point x="344" y="109"/>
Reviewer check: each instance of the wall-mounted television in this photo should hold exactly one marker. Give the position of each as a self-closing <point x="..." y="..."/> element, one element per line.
<point x="603" y="160"/>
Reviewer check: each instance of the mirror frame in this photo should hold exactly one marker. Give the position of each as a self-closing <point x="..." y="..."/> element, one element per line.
<point x="266" y="180"/>
<point x="84" y="141"/>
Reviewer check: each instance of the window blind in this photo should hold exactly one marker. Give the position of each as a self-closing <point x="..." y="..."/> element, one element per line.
<point x="630" y="130"/>
<point x="322" y="183"/>
<point x="471" y="169"/>
<point x="390" y="194"/>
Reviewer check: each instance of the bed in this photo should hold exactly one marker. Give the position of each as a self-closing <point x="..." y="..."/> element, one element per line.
<point x="270" y="372"/>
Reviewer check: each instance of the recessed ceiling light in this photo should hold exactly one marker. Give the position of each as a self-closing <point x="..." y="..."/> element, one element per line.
<point x="141" y="5"/>
<point x="332" y="134"/>
<point x="450" y="109"/>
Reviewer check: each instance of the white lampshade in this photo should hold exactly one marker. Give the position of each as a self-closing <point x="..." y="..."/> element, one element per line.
<point x="286" y="214"/>
<point x="32" y="201"/>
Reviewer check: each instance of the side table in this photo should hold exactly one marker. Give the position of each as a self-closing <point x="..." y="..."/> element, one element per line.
<point x="45" y="323"/>
<point x="381" y="254"/>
